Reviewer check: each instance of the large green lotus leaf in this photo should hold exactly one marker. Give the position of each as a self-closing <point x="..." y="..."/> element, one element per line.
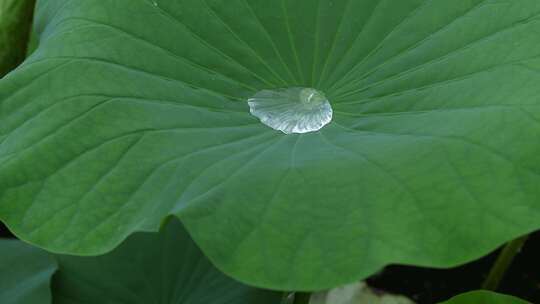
<point x="151" y="268"/>
<point x="484" y="297"/>
<point x="130" y="111"/>
<point x="25" y="273"/>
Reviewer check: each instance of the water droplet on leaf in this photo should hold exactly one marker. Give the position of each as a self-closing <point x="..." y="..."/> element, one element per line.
<point x="292" y="110"/>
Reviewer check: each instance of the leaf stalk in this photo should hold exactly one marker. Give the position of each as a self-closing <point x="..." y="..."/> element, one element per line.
<point x="503" y="262"/>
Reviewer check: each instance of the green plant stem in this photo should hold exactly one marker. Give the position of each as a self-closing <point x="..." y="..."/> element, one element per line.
<point x="15" y="26"/>
<point x="503" y="262"/>
<point x="302" y="298"/>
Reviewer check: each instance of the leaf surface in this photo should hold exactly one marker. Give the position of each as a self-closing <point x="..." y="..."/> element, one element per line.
<point x="25" y="273"/>
<point x="130" y="111"/>
<point x="484" y="297"/>
<point x="151" y="268"/>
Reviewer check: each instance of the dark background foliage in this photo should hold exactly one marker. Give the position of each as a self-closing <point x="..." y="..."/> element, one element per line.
<point x="4" y="232"/>
<point x="427" y="286"/>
